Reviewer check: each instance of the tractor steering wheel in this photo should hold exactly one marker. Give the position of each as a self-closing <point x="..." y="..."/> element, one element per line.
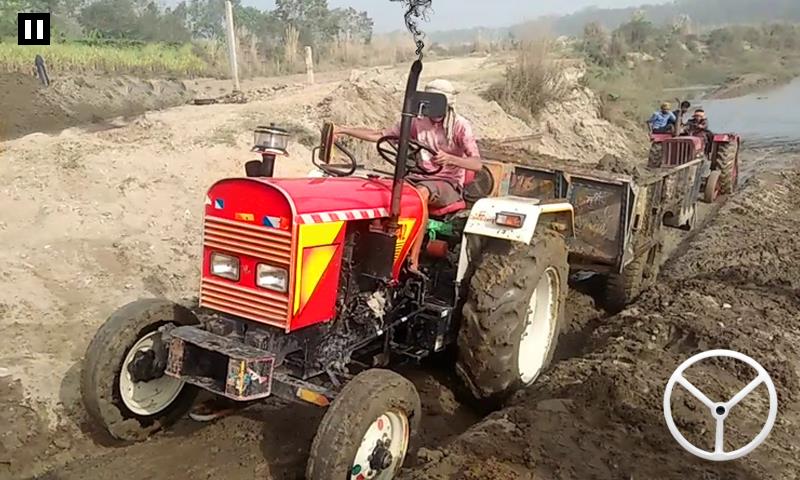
<point x="388" y="146"/>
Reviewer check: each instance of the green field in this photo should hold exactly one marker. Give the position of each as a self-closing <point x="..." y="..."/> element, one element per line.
<point x="148" y="59"/>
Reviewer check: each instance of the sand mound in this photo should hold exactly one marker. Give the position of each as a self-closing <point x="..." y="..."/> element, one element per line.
<point x="599" y="415"/>
<point x="75" y="100"/>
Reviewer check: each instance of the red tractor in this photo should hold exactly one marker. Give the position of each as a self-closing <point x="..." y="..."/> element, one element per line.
<point x="305" y="296"/>
<point x="723" y="156"/>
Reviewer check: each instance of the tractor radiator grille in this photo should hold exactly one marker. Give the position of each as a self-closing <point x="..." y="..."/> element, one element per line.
<point x="253" y="241"/>
<point x="678" y="152"/>
<point x="263" y="243"/>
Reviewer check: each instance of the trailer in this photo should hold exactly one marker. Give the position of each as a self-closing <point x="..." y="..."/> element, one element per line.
<point x="618" y="217"/>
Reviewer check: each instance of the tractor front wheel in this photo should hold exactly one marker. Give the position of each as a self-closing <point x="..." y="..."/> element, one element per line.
<point x="513" y="316"/>
<point x="713" y="187"/>
<point x="366" y="432"/>
<point x="123" y="385"/>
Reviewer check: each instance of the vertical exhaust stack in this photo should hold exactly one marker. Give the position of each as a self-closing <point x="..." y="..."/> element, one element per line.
<point x="409" y="112"/>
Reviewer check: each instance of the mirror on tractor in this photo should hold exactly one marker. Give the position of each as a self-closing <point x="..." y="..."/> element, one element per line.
<point x="430" y="105"/>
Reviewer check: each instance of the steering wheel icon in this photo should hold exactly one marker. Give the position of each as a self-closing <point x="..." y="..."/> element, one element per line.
<point x="720" y="411"/>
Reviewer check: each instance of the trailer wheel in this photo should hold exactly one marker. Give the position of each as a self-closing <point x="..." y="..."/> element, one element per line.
<point x="366" y="431"/>
<point x="127" y="346"/>
<point x="728" y="168"/>
<point x="654" y="158"/>
<point x="623" y="288"/>
<point x="513" y="315"/>
<point x="712" y="190"/>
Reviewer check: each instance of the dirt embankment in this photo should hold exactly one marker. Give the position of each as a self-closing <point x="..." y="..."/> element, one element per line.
<point x="599" y="415"/>
<point x="29" y="107"/>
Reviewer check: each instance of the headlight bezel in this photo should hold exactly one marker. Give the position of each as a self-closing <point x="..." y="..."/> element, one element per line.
<point x="275" y="272"/>
<point x="235" y="276"/>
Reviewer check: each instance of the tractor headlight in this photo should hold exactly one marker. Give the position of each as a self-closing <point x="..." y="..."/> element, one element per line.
<point x="272" y="278"/>
<point x="225" y="266"/>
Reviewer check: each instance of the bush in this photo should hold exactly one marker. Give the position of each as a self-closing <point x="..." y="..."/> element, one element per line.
<point x="529" y="84"/>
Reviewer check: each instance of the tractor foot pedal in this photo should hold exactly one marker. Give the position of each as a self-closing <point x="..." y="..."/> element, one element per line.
<point x="221" y="365"/>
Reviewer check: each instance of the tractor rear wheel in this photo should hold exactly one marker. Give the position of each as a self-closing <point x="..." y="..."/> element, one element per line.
<point x="366" y="431"/>
<point x="713" y="188"/>
<point x="728" y="168"/>
<point x="513" y="316"/>
<point x="655" y="155"/>
<point x="128" y="346"/>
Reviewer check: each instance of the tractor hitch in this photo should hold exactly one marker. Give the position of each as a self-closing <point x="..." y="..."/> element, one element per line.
<point x="221" y="365"/>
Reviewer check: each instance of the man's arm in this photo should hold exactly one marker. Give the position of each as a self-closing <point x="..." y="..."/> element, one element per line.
<point x="366" y="134"/>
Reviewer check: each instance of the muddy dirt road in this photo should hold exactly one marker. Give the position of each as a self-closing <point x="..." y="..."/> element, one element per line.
<point x="95" y="218"/>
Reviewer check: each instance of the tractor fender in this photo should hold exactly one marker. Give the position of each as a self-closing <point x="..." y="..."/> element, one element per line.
<point x="557" y="214"/>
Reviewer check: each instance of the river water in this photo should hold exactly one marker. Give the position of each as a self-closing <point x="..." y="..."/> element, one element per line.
<point x="771" y="117"/>
<point x="768" y="122"/>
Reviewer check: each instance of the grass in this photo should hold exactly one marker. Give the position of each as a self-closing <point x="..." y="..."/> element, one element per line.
<point x="150" y="59"/>
<point x="532" y="81"/>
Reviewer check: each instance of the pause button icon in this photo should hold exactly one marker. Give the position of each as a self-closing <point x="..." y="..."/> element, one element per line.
<point x="33" y="28"/>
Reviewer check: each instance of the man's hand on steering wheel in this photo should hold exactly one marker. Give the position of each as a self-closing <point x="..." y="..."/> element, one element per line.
<point x="387" y="148"/>
<point x="445" y="159"/>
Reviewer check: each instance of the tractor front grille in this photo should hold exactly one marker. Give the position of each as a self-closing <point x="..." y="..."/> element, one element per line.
<point x="274" y="246"/>
<point x="678" y="152"/>
<point x="260" y="244"/>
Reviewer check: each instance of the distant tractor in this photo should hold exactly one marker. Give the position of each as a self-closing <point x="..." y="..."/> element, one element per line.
<point x="722" y="169"/>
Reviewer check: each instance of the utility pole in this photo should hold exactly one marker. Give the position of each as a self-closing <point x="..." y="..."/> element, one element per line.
<point x="232" y="45"/>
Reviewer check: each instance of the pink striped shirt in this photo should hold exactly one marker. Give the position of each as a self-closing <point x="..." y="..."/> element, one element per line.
<point x="432" y="134"/>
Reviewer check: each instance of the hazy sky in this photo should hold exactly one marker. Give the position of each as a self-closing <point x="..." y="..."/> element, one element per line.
<point x="455" y="14"/>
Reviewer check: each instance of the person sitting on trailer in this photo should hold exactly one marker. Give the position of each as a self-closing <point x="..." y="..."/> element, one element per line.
<point x="452" y="136"/>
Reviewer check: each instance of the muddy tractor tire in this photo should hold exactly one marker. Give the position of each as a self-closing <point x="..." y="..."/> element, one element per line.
<point x="654" y="158"/>
<point x="713" y="187"/>
<point x="367" y="430"/>
<point x="727" y="154"/>
<point x="513" y="315"/>
<point x="639" y="276"/>
<point x="127" y="346"/>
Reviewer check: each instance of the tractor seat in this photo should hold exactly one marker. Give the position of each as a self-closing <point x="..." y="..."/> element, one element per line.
<point x="454" y="207"/>
<point x="448" y="209"/>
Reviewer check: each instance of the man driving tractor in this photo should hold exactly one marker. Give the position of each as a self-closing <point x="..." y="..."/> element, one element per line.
<point x="453" y="138"/>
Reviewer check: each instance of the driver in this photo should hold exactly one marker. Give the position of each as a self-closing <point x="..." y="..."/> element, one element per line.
<point x="453" y="138"/>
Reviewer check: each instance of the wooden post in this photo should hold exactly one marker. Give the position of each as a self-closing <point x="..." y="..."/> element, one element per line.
<point x="232" y="45"/>
<point x="310" y="65"/>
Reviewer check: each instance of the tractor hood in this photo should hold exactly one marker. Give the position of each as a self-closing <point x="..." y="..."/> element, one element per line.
<point x="272" y="248"/>
<point x="265" y="201"/>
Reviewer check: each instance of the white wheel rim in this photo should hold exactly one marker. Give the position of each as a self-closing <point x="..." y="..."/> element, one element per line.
<point x="391" y="426"/>
<point x="146" y="398"/>
<point x="540" y="327"/>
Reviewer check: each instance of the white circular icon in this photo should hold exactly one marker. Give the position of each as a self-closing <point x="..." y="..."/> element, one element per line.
<point x="720" y="410"/>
